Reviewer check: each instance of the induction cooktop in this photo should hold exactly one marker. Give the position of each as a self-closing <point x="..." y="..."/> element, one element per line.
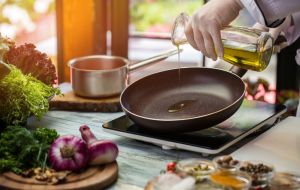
<point x="251" y="117"/>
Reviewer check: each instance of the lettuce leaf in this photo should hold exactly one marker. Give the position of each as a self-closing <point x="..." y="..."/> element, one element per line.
<point x="23" y="96"/>
<point x="31" y="61"/>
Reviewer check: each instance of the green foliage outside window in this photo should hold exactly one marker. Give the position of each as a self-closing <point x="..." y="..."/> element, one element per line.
<point x="146" y="13"/>
<point x="27" y="5"/>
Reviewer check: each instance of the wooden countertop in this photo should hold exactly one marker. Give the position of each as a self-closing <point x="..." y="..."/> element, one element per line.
<point x="139" y="162"/>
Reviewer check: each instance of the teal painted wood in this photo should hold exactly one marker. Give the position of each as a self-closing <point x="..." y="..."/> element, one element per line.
<point x="138" y="162"/>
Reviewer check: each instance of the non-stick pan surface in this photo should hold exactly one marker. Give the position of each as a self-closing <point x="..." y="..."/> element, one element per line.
<point x="210" y="95"/>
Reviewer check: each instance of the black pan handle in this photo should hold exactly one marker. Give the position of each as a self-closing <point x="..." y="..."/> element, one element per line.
<point x="238" y="71"/>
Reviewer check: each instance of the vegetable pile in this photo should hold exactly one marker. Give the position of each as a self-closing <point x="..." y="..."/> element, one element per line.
<point x="26" y="90"/>
<point x="43" y="155"/>
<point x="22" y="149"/>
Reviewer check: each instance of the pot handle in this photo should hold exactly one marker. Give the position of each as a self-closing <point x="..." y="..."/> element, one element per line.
<point x="154" y="59"/>
<point x="238" y="71"/>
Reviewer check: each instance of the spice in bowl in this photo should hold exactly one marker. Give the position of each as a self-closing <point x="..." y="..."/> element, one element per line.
<point x="235" y="181"/>
<point x="261" y="173"/>
<point x="208" y="185"/>
<point x="285" y="181"/>
<point x="226" y="162"/>
<point x="199" y="169"/>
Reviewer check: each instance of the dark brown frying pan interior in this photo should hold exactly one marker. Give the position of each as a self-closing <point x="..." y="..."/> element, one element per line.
<point x="206" y="92"/>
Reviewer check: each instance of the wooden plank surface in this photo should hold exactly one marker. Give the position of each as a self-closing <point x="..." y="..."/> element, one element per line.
<point x="70" y="101"/>
<point x="93" y="178"/>
<point x="138" y="162"/>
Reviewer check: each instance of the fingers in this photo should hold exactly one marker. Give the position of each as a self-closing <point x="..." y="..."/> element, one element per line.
<point x="205" y="39"/>
<point x="209" y="45"/>
<point x="260" y="27"/>
<point x="217" y="40"/>
<point x="196" y="39"/>
<point x="275" y="32"/>
<point x="199" y="41"/>
<point x="190" y="36"/>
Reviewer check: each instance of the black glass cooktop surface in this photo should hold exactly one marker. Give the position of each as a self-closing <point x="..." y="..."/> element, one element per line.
<point x="251" y="116"/>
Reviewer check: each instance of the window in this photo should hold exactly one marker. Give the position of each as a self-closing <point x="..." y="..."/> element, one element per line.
<point x="30" y="22"/>
<point x="150" y="27"/>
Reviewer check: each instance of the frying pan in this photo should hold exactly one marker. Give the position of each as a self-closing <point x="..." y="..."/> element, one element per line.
<point x="207" y="97"/>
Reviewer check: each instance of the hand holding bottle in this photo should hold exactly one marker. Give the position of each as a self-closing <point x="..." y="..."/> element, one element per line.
<point x="203" y="29"/>
<point x="276" y="32"/>
<point x="245" y="47"/>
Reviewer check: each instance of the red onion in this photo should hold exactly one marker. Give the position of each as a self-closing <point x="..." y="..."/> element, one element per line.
<point x="68" y="153"/>
<point x="101" y="151"/>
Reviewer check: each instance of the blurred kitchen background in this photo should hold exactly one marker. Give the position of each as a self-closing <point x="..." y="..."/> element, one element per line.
<point x="71" y="27"/>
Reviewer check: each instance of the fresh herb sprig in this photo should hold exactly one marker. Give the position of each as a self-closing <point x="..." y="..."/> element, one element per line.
<point x="21" y="149"/>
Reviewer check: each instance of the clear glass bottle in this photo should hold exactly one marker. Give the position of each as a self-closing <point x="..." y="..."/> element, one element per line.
<point x="245" y="47"/>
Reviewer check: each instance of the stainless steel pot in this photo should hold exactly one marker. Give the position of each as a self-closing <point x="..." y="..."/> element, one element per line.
<point x="103" y="76"/>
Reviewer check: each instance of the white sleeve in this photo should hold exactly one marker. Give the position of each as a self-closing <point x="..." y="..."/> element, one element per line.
<point x="254" y="11"/>
<point x="271" y="13"/>
<point x="293" y="32"/>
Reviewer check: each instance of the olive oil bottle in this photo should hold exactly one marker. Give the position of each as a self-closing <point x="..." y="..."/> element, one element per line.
<point x="245" y="47"/>
<point x="247" y="56"/>
<point x="256" y="61"/>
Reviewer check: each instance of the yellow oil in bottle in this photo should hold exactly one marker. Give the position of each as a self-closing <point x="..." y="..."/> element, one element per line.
<point x="242" y="55"/>
<point x="247" y="59"/>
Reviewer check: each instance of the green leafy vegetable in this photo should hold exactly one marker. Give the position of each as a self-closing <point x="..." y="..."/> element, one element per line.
<point x="22" y="149"/>
<point x="23" y="96"/>
<point x="45" y="135"/>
